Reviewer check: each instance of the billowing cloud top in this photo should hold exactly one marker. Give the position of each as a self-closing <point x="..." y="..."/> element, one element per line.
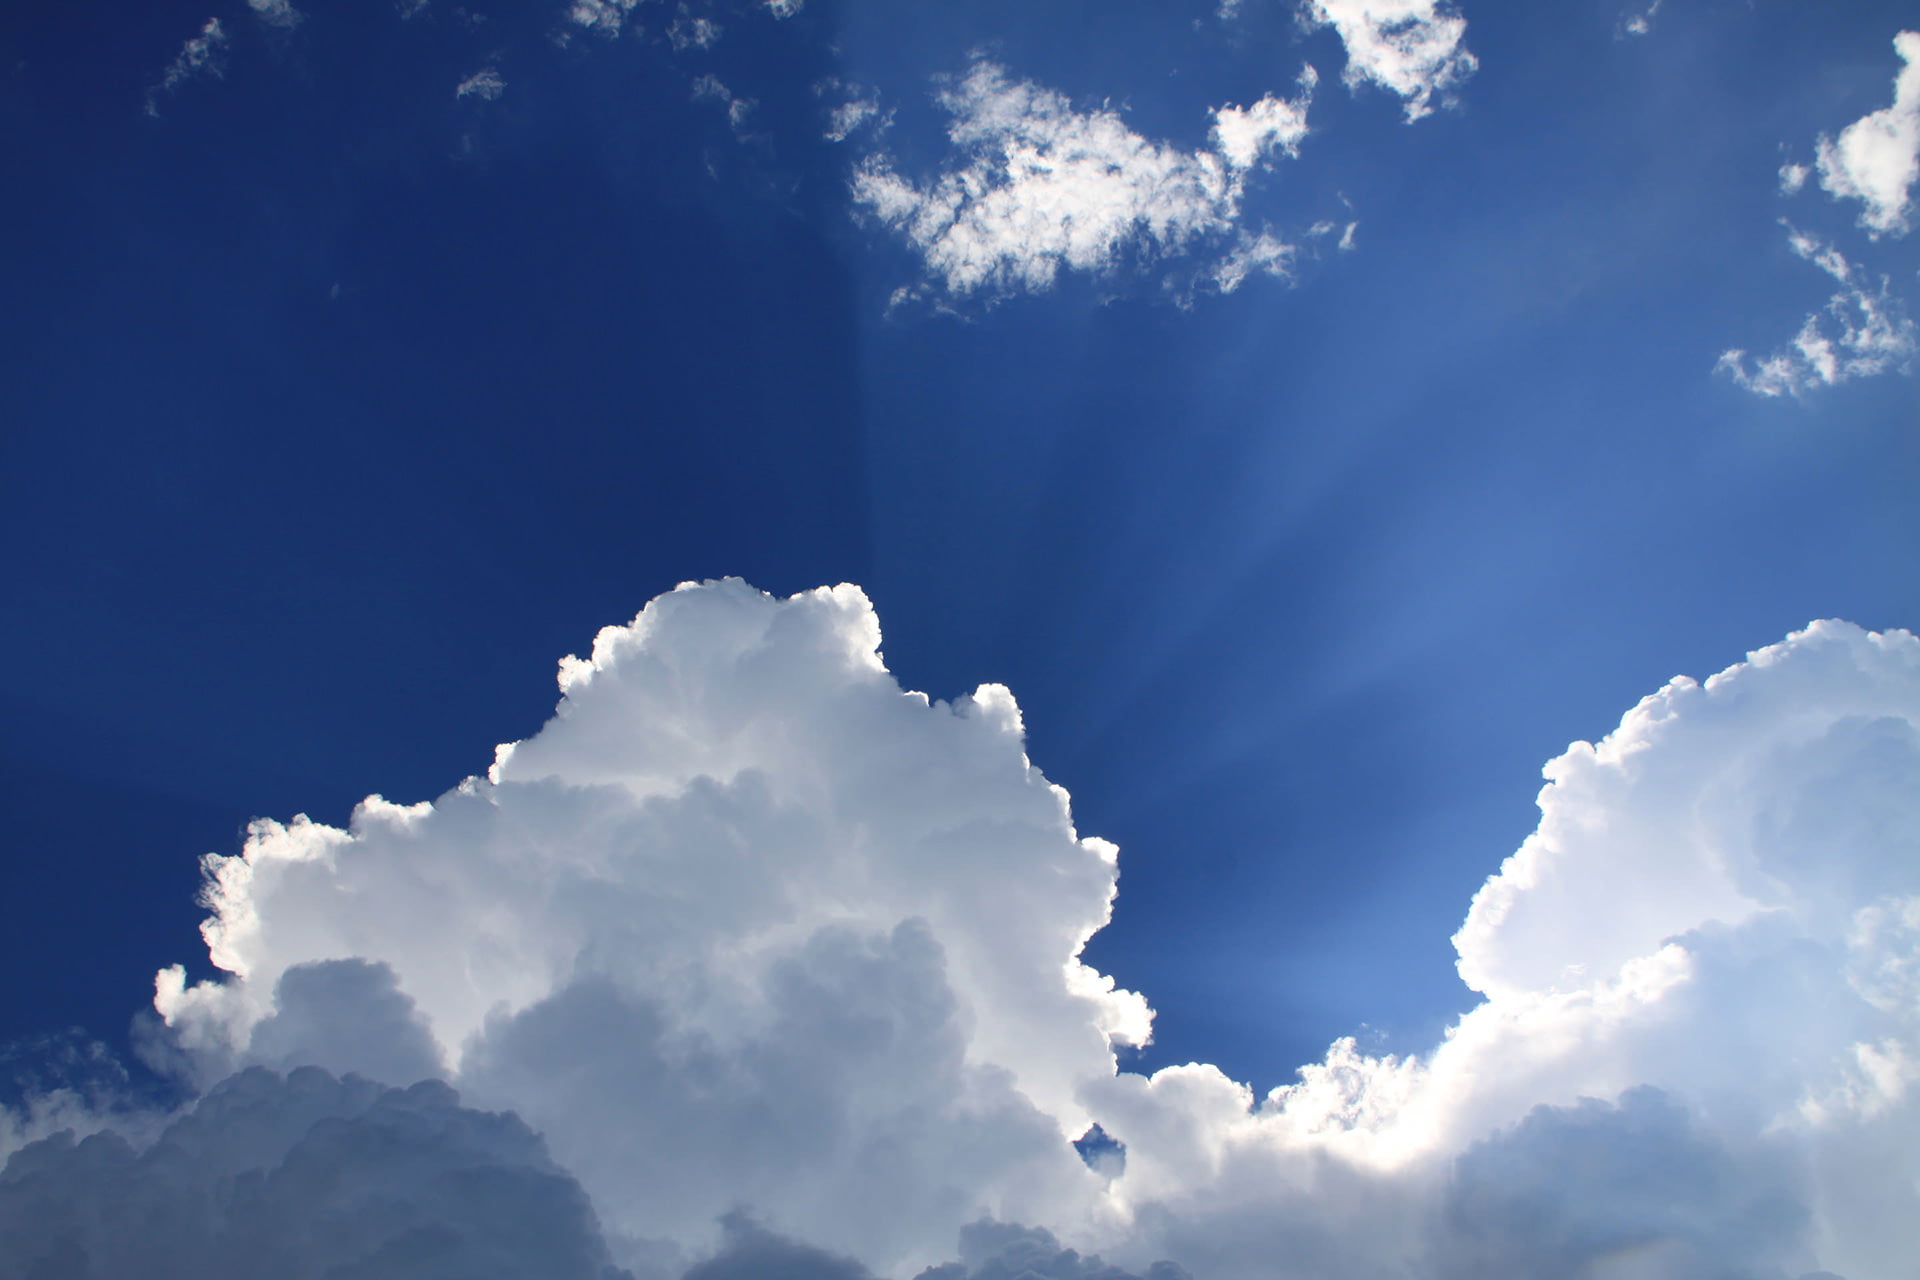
<point x="782" y="961"/>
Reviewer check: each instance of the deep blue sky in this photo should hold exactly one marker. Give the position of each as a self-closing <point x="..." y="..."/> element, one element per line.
<point x="337" y="409"/>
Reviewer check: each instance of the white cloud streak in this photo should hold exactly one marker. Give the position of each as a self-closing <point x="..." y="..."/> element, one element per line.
<point x="200" y="55"/>
<point x="1412" y="48"/>
<point x="1862" y="331"/>
<point x="485" y="84"/>
<point x="747" y="925"/>
<point x="1038" y="186"/>
<point x="1876" y="159"/>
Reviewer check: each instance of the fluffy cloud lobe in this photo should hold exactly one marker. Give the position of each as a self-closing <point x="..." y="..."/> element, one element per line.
<point x="1876" y="159"/>
<point x="1036" y="186"/>
<point x="1412" y="48"/>
<point x="782" y="962"/>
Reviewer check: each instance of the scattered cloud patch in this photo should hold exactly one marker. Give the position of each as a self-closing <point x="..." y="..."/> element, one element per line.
<point x="1862" y="331"/>
<point x="606" y="17"/>
<point x="708" y="88"/>
<point x="485" y="84"/>
<point x="1639" y="21"/>
<point x="689" y="32"/>
<point x="276" y="13"/>
<point x="1876" y="159"/>
<point x="784" y="8"/>
<point x="1793" y="178"/>
<point x="854" y="108"/>
<point x="1037" y="186"/>
<point x="202" y="54"/>
<point x="1412" y="48"/>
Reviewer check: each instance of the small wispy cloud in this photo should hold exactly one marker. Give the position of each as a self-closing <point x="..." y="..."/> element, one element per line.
<point x="607" y="17"/>
<point x="1037" y="186"/>
<point x="1876" y="159"/>
<point x="1863" y="330"/>
<point x="690" y="32"/>
<point x="1638" y="21"/>
<point x="277" y="13"/>
<point x="855" y="108"/>
<point x="1412" y="48"/>
<point x="485" y="84"/>
<point x="784" y="8"/>
<point x="202" y="54"/>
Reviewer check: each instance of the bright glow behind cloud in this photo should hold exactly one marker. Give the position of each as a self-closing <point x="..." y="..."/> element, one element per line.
<point x="747" y="925"/>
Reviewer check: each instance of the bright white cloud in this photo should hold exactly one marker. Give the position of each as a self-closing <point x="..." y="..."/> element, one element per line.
<point x="747" y="925"/>
<point x="276" y="13"/>
<point x="744" y="901"/>
<point x="1876" y="159"/>
<point x="1038" y="186"/>
<point x="485" y="84"/>
<point x="1412" y="48"/>
<point x="1863" y="330"/>
<point x="200" y="55"/>
<point x="784" y="8"/>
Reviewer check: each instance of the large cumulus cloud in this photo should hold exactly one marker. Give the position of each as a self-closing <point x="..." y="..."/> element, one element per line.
<point x="783" y="962"/>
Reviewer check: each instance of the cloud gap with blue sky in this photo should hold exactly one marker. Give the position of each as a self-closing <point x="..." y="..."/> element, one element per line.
<point x="1319" y="414"/>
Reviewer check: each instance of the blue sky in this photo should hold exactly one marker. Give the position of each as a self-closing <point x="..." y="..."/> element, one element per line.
<point x="363" y="360"/>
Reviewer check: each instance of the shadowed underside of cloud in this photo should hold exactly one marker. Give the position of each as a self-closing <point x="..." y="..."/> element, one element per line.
<point x="305" y="1176"/>
<point x="782" y="962"/>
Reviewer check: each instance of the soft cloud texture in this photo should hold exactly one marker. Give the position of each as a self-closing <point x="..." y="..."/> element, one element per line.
<point x="1412" y="48"/>
<point x="302" y="1178"/>
<point x="200" y="55"/>
<point x="1036" y="186"/>
<point x="744" y="902"/>
<point x="276" y="13"/>
<point x="607" y="17"/>
<point x="782" y="961"/>
<point x="485" y="84"/>
<point x="1863" y="330"/>
<point x="1876" y="159"/>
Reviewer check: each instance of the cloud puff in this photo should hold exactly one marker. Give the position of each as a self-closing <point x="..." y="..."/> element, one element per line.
<point x="302" y="1177"/>
<point x="1863" y="330"/>
<point x="200" y="55"/>
<point x="607" y="17"/>
<point x="744" y="902"/>
<point x="1037" y="186"/>
<point x="1409" y="47"/>
<point x="485" y="84"/>
<point x="1876" y="159"/>
<point x="276" y="13"/>
<point x="747" y="927"/>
